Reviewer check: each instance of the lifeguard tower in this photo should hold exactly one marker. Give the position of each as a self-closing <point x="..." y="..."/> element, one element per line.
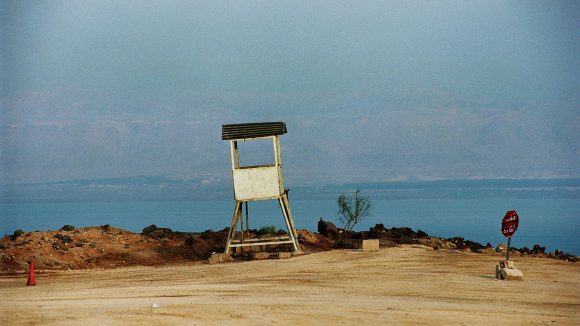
<point x="252" y="183"/>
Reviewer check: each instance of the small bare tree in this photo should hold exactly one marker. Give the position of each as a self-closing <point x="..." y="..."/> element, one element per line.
<point x="352" y="210"/>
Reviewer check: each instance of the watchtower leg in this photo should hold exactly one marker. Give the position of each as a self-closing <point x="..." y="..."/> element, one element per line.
<point x="289" y="221"/>
<point x="233" y="227"/>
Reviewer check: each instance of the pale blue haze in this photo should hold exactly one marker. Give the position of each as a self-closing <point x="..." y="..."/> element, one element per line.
<point x="371" y="90"/>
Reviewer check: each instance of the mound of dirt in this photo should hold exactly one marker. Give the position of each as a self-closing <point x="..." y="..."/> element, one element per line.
<point x="102" y="247"/>
<point x="109" y="247"/>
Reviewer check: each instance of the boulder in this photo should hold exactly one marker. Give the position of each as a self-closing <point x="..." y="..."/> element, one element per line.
<point x="67" y="227"/>
<point x="154" y="232"/>
<point x="422" y="234"/>
<point x="525" y="251"/>
<point x="459" y="242"/>
<point x="378" y="228"/>
<point x="327" y="228"/>
<point x="149" y="228"/>
<point x="64" y="238"/>
<point x="537" y="249"/>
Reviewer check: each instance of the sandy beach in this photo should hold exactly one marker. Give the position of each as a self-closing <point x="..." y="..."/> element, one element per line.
<point x="403" y="285"/>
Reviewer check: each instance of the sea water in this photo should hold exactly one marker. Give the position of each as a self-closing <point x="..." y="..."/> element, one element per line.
<point x="551" y="222"/>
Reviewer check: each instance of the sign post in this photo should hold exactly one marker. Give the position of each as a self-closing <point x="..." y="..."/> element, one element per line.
<point x="507" y="270"/>
<point x="509" y="226"/>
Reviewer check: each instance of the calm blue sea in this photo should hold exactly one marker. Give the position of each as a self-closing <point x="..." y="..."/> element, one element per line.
<point x="551" y="222"/>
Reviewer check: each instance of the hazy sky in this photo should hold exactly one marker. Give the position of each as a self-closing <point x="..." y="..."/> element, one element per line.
<point x="371" y="90"/>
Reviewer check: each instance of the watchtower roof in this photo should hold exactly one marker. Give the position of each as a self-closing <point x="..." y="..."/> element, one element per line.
<point x="252" y="130"/>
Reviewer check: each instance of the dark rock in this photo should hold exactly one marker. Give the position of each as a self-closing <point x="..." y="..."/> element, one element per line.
<point x="154" y="232"/>
<point x="422" y="234"/>
<point x="64" y="238"/>
<point x="459" y="242"/>
<point x="379" y="227"/>
<point x="572" y="258"/>
<point x="473" y="246"/>
<point x="67" y="228"/>
<point x="159" y="233"/>
<point x="327" y="228"/>
<point x="537" y="249"/>
<point x="216" y="239"/>
<point x="488" y="245"/>
<point x="106" y="227"/>
<point x="402" y="233"/>
<point x="149" y="229"/>
<point x="525" y="251"/>
<point x="378" y="231"/>
<point x="281" y="232"/>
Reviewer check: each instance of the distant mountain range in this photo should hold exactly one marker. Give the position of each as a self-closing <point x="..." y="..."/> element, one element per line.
<point x="332" y="138"/>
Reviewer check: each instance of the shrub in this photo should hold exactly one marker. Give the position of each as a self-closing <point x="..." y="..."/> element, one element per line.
<point x="270" y="229"/>
<point x="352" y="210"/>
<point x="18" y="233"/>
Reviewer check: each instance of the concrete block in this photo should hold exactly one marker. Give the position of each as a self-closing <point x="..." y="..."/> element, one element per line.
<point x="260" y="255"/>
<point x="370" y="245"/>
<point x="506" y="270"/>
<point x="507" y="264"/>
<point x="297" y="253"/>
<point x="219" y="258"/>
<point x="284" y="255"/>
<point x="511" y="274"/>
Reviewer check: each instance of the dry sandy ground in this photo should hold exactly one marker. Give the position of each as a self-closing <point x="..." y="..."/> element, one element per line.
<point x="404" y="285"/>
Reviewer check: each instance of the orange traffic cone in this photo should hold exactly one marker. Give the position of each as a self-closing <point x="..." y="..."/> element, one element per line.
<point x="31" y="276"/>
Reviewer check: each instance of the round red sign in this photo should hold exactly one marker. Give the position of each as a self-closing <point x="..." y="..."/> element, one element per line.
<point x="509" y="224"/>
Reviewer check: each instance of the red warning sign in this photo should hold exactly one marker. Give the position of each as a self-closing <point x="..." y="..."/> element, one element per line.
<point x="509" y="224"/>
